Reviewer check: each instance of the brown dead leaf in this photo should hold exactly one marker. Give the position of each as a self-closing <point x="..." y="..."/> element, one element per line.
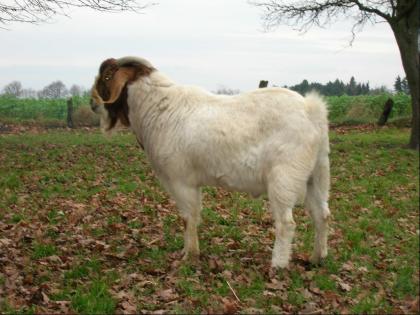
<point x="362" y="269"/>
<point x="229" y="307"/>
<point x="311" y="308"/>
<point x="306" y="294"/>
<point x="343" y="285"/>
<point x="227" y="274"/>
<point x="5" y="242"/>
<point x="379" y="295"/>
<point x="28" y="280"/>
<point x="78" y="212"/>
<point x="45" y="298"/>
<point x="37" y="297"/>
<point x="168" y="295"/>
<point x="252" y="310"/>
<point x="64" y="306"/>
<point x="275" y="285"/>
<point x="128" y="307"/>
<point x="268" y="293"/>
<point x="314" y="289"/>
<point x="348" y="266"/>
<point x="414" y="305"/>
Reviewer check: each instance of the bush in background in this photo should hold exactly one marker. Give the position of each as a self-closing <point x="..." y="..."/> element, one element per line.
<point x="83" y="116"/>
<point x="365" y="108"/>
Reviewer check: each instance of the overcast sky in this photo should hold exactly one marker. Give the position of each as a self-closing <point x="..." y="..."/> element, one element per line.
<point x="211" y="43"/>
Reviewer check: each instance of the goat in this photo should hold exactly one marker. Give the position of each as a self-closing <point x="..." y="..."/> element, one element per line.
<point x="270" y="140"/>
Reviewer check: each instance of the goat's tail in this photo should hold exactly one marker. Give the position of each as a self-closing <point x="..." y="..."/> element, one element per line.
<point x="317" y="110"/>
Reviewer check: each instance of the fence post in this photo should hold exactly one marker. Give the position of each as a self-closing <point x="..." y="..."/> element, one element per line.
<point x="385" y="113"/>
<point x="263" y="84"/>
<point x="70" y="113"/>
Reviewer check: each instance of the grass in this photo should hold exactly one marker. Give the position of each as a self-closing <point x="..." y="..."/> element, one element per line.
<point x="43" y="250"/>
<point x="85" y="222"/>
<point x="94" y="300"/>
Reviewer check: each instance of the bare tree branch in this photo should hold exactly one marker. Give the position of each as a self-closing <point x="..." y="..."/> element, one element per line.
<point x="370" y="9"/>
<point x="320" y="13"/>
<point x="38" y="11"/>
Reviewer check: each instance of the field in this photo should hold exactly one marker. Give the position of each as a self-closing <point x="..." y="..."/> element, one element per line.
<point x="86" y="228"/>
<point x="44" y="112"/>
<point x="343" y="109"/>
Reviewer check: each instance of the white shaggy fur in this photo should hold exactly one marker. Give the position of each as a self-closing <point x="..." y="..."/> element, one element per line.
<point x="269" y="140"/>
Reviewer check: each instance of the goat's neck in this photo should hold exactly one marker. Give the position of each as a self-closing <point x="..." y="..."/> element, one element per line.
<point x="148" y="100"/>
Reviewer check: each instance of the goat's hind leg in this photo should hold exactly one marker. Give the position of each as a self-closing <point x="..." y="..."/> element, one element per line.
<point x="285" y="230"/>
<point x="188" y="200"/>
<point x="282" y="201"/>
<point x="317" y="204"/>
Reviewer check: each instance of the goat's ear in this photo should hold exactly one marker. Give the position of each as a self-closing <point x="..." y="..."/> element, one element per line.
<point x="116" y="80"/>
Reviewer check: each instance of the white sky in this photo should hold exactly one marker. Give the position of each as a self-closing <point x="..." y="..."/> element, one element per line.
<point x="211" y="43"/>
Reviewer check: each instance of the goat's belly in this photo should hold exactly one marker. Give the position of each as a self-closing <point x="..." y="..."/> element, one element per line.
<point x="241" y="184"/>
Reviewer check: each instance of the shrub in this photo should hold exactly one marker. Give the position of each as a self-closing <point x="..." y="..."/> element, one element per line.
<point x="85" y="117"/>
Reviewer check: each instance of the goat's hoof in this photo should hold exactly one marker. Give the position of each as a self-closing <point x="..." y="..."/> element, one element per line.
<point x="279" y="264"/>
<point x="190" y="256"/>
<point x="317" y="260"/>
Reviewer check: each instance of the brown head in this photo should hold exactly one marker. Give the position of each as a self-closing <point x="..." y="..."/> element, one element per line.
<point x="109" y="92"/>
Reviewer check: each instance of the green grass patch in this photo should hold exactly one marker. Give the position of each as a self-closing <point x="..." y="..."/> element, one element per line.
<point x="43" y="250"/>
<point x="96" y="299"/>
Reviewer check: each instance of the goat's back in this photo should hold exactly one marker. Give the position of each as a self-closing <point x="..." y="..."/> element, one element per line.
<point x="235" y="140"/>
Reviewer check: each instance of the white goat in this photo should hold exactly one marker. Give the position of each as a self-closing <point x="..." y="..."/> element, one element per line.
<point x="269" y="140"/>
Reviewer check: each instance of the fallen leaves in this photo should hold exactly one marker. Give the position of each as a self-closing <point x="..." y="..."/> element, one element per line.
<point x="130" y="239"/>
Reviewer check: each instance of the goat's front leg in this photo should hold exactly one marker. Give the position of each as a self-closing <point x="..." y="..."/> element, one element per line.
<point x="188" y="200"/>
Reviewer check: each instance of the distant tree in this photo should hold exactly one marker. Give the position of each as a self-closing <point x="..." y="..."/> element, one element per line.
<point x="403" y="16"/>
<point x="380" y="90"/>
<point x="56" y="89"/>
<point x="28" y="93"/>
<point x="37" y="11"/>
<point x="76" y="90"/>
<point x="397" y="85"/>
<point x="304" y="86"/>
<point x="316" y="86"/>
<point x="404" y="86"/>
<point x="338" y="88"/>
<point x="13" y="89"/>
<point x="335" y="88"/>
<point x="365" y="88"/>
<point x="352" y="87"/>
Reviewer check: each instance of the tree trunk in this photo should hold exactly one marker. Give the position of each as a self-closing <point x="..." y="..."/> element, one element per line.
<point x="406" y="34"/>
